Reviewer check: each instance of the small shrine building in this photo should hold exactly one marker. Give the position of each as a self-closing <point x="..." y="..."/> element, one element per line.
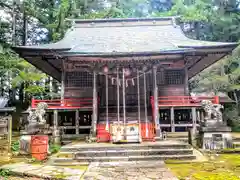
<point x="125" y="71"/>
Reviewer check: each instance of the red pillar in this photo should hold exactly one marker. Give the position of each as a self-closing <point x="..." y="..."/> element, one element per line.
<point x="216" y="99"/>
<point x="33" y="103"/>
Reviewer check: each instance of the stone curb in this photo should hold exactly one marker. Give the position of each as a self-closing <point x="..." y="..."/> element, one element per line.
<point x="44" y="172"/>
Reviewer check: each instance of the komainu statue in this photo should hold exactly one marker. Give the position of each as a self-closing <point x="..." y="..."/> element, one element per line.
<point x="36" y="119"/>
<point x="38" y="114"/>
<point x="212" y="111"/>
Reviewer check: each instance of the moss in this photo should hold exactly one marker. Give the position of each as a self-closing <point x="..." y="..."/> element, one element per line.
<point x="60" y="176"/>
<point x="84" y="168"/>
<point x="223" y="167"/>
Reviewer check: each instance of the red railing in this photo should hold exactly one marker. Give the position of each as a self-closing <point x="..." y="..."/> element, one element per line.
<point x="65" y="103"/>
<point x="164" y="101"/>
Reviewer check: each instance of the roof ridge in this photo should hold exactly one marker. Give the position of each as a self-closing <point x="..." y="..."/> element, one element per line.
<point x="169" y="18"/>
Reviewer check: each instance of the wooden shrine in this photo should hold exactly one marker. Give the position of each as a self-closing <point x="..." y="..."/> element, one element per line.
<point x="127" y="71"/>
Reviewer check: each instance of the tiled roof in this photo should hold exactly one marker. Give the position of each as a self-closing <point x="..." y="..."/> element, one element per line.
<point x="126" y="36"/>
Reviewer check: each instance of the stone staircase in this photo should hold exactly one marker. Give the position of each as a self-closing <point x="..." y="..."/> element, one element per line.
<point x="178" y="136"/>
<point x="80" y="154"/>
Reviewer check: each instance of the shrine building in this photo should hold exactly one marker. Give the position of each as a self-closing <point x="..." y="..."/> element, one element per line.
<point x="125" y="71"/>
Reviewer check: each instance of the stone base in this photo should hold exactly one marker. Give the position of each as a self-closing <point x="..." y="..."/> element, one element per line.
<point x="215" y="136"/>
<point x="25" y="145"/>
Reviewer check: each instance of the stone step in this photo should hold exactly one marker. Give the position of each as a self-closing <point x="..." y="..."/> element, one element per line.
<point x="175" y="139"/>
<point x="138" y="152"/>
<point x="70" y="163"/>
<point x="78" y="148"/>
<point x="126" y="158"/>
<point x="236" y="144"/>
<point x="237" y="139"/>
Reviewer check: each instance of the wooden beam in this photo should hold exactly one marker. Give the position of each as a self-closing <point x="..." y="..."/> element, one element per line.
<point x="204" y="63"/>
<point x="127" y="59"/>
<point x="45" y="67"/>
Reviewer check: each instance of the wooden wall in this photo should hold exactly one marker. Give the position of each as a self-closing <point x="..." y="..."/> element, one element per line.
<point x="170" y="82"/>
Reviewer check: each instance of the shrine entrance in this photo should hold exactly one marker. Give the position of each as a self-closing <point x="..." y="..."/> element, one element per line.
<point x="123" y="102"/>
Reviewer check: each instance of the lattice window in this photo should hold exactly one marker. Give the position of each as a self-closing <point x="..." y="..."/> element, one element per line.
<point x="79" y="79"/>
<point x="174" y="77"/>
<point x="160" y="77"/>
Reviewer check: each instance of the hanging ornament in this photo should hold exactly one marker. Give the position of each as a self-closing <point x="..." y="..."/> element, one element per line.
<point x="144" y="68"/>
<point x="133" y="83"/>
<point x="127" y="72"/>
<point x="105" y="69"/>
<point x="112" y="81"/>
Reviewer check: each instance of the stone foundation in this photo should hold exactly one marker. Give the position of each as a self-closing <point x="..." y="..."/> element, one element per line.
<point x="215" y="136"/>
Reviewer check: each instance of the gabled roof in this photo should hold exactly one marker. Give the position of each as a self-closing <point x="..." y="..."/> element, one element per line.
<point x="113" y="39"/>
<point x="118" y="36"/>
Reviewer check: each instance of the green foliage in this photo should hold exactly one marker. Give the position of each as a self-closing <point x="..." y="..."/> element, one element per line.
<point x="15" y="146"/>
<point x="5" y="173"/>
<point x="54" y="148"/>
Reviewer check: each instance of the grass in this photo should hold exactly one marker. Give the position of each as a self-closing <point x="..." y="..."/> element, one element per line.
<point x="221" y="167"/>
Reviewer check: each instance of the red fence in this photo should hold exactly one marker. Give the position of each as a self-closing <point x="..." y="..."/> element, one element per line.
<point x="65" y="103"/>
<point x="183" y="100"/>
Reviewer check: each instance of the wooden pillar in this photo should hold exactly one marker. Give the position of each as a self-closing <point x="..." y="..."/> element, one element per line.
<point x="10" y="136"/>
<point x="139" y="107"/>
<point x="62" y="84"/>
<point x="172" y="119"/>
<point x="56" y="132"/>
<point x="194" y="118"/>
<point x="106" y="87"/>
<point x="55" y="119"/>
<point x="145" y="104"/>
<point x="123" y="93"/>
<point x="95" y="102"/>
<point x="186" y="88"/>
<point x="155" y="99"/>
<point x="118" y="98"/>
<point x="77" y="121"/>
<point x="201" y="116"/>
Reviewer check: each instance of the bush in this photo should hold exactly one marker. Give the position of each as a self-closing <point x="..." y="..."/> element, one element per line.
<point x="4" y="173"/>
<point x="15" y="146"/>
<point x="54" y="148"/>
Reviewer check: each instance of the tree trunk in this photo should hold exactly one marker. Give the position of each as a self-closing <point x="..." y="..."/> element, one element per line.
<point x="21" y="94"/>
<point x="236" y="100"/>
<point x="25" y="28"/>
<point x="197" y="30"/>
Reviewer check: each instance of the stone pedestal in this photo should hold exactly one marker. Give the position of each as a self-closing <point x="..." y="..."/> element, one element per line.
<point x="215" y="135"/>
<point x="25" y="144"/>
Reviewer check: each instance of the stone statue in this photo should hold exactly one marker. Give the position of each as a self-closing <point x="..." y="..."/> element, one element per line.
<point x="36" y="119"/>
<point x="217" y="112"/>
<point x="38" y="114"/>
<point x="212" y="111"/>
